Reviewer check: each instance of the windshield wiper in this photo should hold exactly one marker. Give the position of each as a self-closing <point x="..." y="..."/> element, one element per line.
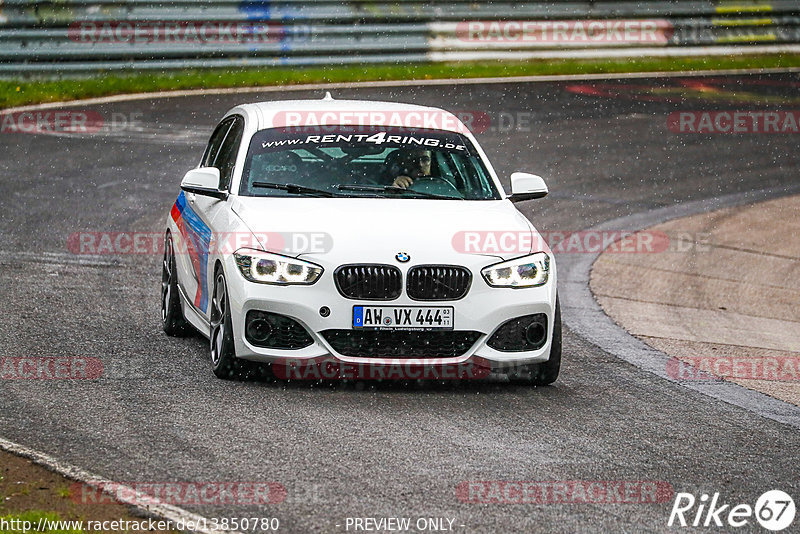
<point x="391" y="189"/>
<point x="296" y="189"/>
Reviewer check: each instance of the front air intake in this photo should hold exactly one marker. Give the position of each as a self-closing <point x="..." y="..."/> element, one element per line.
<point x="521" y="334"/>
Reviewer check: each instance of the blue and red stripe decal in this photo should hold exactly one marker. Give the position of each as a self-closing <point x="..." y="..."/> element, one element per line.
<point x="197" y="236"/>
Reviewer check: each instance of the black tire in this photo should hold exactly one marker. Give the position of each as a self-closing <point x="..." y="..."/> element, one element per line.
<point x="545" y="373"/>
<point x="224" y="362"/>
<point x="172" y="319"/>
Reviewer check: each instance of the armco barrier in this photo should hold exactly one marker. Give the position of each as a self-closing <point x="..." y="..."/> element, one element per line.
<point x="67" y="36"/>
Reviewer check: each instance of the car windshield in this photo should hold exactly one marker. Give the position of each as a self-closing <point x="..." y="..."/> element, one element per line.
<point x="379" y="161"/>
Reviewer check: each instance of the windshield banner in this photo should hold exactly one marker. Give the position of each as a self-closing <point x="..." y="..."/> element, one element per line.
<point x="357" y="138"/>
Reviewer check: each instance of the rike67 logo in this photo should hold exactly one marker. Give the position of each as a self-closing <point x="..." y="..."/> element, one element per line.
<point x="774" y="510"/>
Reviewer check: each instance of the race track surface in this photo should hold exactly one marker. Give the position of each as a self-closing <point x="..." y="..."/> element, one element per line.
<point x="378" y="449"/>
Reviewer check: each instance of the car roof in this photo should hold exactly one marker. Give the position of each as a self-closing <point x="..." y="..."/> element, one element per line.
<point x="333" y="112"/>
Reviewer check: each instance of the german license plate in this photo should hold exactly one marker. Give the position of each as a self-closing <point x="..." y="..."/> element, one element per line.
<point x="403" y="317"/>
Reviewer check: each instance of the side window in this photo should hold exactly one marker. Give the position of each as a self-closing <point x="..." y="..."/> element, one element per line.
<point x="214" y="144"/>
<point x="226" y="158"/>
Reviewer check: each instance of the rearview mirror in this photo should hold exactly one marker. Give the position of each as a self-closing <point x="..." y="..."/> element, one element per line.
<point x="526" y="186"/>
<point x="203" y="181"/>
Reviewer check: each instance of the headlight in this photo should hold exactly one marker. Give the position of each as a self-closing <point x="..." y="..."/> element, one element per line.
<point x="529" y="271"/>
<point x="268" y="268"/>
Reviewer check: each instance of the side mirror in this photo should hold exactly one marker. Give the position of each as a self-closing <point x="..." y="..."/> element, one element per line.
<point x="203" y="181"/>
<point x="526" y="186"/>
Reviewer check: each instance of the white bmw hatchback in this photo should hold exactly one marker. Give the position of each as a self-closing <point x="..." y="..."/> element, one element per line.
<point x="359" y="233"/>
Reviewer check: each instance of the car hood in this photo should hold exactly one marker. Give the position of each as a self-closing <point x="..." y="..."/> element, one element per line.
<point x="345" y="230"/>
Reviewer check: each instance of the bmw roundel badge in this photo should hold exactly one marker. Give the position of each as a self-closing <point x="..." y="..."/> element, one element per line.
<point x="402" y="257"/>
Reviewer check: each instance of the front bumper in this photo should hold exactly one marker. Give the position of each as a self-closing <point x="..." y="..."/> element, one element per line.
<point x="484" y="309"/>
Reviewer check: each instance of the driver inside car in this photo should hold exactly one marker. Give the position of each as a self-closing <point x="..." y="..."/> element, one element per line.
<point x="413" y="163"/>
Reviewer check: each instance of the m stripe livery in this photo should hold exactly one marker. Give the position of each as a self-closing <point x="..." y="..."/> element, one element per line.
<point x="197" y="236"/>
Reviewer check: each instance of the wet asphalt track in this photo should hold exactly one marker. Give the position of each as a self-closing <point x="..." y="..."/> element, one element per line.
<point x="376" y="450"/>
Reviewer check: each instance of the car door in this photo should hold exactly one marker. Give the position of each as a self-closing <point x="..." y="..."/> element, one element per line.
<point x="192" y="215"/>
<point x="215" y="212"/>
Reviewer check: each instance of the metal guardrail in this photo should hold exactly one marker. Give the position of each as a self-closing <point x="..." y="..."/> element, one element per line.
<point x="62" y="36"/>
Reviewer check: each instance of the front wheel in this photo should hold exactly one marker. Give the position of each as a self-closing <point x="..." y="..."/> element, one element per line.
<point x="223" y="354"/>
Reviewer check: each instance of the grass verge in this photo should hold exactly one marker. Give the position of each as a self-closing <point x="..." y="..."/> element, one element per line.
<point x="17" y="93"/>
<point x="30" y="493"/>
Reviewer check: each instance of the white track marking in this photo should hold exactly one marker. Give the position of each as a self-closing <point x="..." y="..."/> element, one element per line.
<point x="153" y="508"/>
